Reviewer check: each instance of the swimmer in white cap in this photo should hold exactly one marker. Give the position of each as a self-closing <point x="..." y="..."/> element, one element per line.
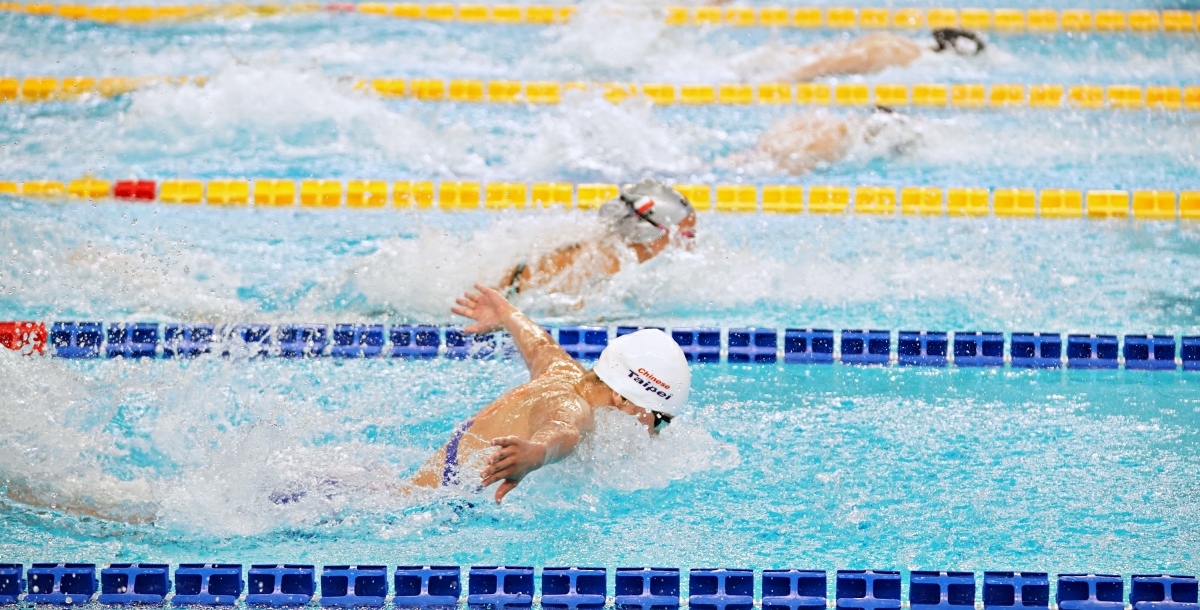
<point x="641" y="222"/>
<point x="644" y="374"/>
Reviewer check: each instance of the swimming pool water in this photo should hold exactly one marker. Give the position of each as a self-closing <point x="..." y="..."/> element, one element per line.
<point x="281" y="103"/>
<point x="164" y="263"/>
<point x="770" y="466"/>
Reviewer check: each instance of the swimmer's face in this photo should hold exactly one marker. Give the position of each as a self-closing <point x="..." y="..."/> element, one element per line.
<point x="685" y="234"/>
<point x="645" y="416"/>
<point x="682" y="234"/>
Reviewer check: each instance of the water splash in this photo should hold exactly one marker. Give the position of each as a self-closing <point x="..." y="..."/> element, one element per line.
<point x="590" y="138"/>
<point x="619" y="455"/>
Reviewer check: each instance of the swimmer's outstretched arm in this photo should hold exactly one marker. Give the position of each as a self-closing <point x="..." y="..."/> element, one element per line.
<point x="559" y="417"/>
<point x="491" y="312"/>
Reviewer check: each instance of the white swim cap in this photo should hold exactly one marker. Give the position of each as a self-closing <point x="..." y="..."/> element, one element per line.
<point x="648" y="369"/>
<point x="645" y="211"/>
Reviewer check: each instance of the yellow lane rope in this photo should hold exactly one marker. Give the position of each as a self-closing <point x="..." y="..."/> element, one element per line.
<point x="777" y="198"/>
<point x="810" y="17"/>
<point x="106" y="13"/>
<point x="1002" y="20"/>
<point x="957" y="95"/>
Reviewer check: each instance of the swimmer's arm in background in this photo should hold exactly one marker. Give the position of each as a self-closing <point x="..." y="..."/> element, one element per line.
<point x="867" y="55"/>
<point x="582" y="259"/>
<point x="557" y="435"/>
<point x="491" y="311"/>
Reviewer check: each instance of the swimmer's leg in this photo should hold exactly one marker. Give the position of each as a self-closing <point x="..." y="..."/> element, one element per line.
<point x="430" y="473"/>
<point x="130" y="511"/>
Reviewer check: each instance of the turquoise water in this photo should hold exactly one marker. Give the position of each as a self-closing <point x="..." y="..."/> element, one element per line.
<point x="770" y="466"/>
<point x="281" y="103"/>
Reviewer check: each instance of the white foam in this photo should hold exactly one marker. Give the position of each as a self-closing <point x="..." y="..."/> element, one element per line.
<point x="587" y="135"/>
<point x="72" y="269"/>
<point x="54" y="446"/>
<point x="216" y="448"/>
<point x="271" y="473"/>
<point x="814" y="277"/>
<point x="238" y="452"/>
<point x="628" y="43"/>
<point x="619" y="454"/>
<point x="418" y="279"/>
<point x="300" y="114"/>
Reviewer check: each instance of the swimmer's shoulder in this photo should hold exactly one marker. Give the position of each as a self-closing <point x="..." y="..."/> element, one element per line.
<point x="559" y="384"/>
<point x="562" y="365"/>
<point x="565" y="371"/>
<point x="559" y="398"/>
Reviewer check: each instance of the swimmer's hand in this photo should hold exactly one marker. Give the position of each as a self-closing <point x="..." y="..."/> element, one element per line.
<point x="515" y="458"/>
<point x="487" y="307"/>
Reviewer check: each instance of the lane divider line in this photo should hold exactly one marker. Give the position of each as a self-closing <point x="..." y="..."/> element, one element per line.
<point x="452" y="196"/>
<point x="166" y="13"/>
<point x="425" y="587"/>
<point x="752" y="345"/>
<point x="933" y="95"/>
<point x="40" y="89"/>
<point x="1001" y="20"/>
<point x="34" y="89"/>
<point x="878" y="18"/>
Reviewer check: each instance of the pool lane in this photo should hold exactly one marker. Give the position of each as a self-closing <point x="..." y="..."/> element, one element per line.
<point x="365" y="45"/>
<point x="128" y="262"/>
<point x="279" y="122"/>
<point x="816" y="466"/>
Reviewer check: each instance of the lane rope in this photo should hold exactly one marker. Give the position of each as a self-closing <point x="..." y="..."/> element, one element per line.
<point x="1036" y="20"/>
<point x="425" y="587"/>
<point x="88" y="340"/>
<point x="42" y="89"/>
<point x="449" y="196"/>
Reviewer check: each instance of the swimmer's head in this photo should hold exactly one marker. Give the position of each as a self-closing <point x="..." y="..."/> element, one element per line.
<point x="646" y="211"/>
<point x="890" y="132"/>
<point x="961" y="41"/>
<point x="648" y="369"/>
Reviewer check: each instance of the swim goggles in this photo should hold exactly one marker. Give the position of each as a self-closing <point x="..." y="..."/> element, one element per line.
<point x="661" y="420"/>
<point x="685" y="234"/>
<point x="631" y="203"/>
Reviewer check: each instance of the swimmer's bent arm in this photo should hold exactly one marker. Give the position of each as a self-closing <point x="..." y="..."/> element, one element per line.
<point x="491" y="311"/>
<point x="555" y="438"/>
<point x="867" y="55"/>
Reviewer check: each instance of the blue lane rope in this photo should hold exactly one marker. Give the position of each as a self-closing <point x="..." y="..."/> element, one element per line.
<point x="579" y="588"/>
<point x="77" y="340"/>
